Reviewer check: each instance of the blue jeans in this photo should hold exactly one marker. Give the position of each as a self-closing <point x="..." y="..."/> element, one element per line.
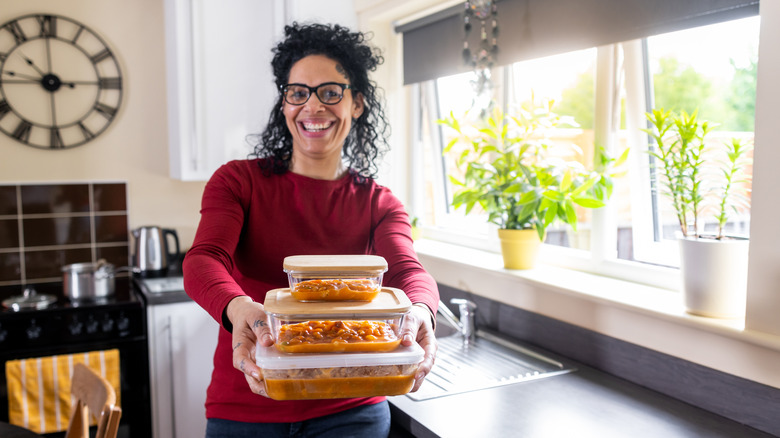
<point x="363" y="421"/>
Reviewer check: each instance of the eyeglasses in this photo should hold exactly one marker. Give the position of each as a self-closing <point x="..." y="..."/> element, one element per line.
<point x="329" y="93"/>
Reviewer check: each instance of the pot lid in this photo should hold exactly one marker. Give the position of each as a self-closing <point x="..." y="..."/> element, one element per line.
<point x="88" y="267"/>
<point x="29" y="300"/>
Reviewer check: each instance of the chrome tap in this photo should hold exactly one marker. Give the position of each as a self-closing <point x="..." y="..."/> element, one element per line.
<point x="466" y="324"/>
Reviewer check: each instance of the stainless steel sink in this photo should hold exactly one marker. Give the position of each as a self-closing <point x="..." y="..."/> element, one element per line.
<point x="488" y="362"/>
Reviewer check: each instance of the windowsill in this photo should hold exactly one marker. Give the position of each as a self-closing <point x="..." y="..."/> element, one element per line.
<point x="648" y="316"/>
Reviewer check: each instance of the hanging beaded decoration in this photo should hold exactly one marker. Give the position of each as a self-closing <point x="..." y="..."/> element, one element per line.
<point x="484" y="57"/>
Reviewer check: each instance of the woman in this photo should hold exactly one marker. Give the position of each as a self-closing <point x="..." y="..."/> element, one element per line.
<point x="309" y="189"/>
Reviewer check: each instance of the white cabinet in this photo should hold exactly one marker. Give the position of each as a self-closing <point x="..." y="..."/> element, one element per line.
<point x="220" y="86"/>
<point x="219" y="82"/>
<point x="182" y="340"/>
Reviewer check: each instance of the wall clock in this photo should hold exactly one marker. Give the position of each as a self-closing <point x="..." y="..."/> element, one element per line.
<point x="60" y="83"/>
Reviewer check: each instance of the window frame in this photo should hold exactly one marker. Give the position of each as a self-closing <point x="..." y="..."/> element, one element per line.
<point x="601" y="258"/>
<point x="761" y="326"/>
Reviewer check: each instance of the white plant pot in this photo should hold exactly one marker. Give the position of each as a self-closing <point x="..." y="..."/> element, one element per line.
<point x="714" y="276"/>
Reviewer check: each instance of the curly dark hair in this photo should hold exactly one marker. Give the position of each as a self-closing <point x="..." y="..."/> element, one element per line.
<point x="367" y="141"/>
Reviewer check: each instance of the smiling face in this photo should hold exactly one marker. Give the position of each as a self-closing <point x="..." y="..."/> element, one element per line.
<point x="319" y="130"/>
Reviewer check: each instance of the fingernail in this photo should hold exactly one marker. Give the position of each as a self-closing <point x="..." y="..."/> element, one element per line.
<point x="255" y="374"/>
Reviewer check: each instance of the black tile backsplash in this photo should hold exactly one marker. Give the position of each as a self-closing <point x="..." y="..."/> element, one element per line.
<point x="46" y="226"/>
<point x="9" y="233"/>
<point x="48" y="264"/>
<point x="110" y="197"/>
<point x="10" y="268"/>
<point x="111" y="228"/>
<point x="7" y="200"/>
<point x="52" y="231"/>
<point x="58" y="198"/>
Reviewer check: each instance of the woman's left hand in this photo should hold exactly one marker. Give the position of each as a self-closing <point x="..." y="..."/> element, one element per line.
<point x="419" y="327"/>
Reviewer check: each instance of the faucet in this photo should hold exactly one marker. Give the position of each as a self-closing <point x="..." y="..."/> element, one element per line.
<point x="466" y="324"/>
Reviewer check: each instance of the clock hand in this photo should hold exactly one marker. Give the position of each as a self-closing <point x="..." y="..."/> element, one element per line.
<point x="23" y="76"/>
<point x="31" y="63"/>
<point x="72" y="84"/>
<point x="53" y="112"/>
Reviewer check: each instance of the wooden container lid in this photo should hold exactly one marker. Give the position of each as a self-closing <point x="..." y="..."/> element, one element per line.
<point x="389" y="301"/>
<point x="335" y="263"/>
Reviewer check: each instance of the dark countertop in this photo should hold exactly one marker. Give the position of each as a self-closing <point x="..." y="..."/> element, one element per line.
<point x="584" y="403"/>
<point x="170" y="292"/>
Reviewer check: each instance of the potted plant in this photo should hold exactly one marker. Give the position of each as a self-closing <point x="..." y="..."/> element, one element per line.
<point x="713" y="265"/>
<point x="416" y="232"/>
<point x="521" y="179"/>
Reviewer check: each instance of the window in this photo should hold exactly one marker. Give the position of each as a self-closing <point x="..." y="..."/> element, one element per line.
<point x="710" y="68"/>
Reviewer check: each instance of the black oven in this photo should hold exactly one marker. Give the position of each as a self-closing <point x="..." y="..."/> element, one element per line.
<point x="70" y="328"/>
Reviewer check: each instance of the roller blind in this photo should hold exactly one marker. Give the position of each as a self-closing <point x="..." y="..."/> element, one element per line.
<point x="535" y="28"/>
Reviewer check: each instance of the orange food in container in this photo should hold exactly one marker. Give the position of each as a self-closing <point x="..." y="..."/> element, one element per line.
<point x="338" y="375"/>
<point x="336" y="326"/>
<point x="332" y="336"/>
<point x="335" y="277"/>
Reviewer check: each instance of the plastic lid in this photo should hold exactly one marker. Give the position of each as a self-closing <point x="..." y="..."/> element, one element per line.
<point x="335" y="263"/>
<point x="389" y="300"/>
<point x="271" y="358"/>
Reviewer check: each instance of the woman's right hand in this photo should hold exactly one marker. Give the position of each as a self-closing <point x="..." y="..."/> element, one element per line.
<point x="249" y="325"/>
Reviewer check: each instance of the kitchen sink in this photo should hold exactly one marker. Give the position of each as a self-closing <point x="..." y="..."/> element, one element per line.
<point x="489" y="361"/>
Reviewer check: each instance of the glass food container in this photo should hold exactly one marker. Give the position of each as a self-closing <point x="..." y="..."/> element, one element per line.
<point x="336" y="326"/>
<point x="320" y="376"/>
<point x="335" y="277"/>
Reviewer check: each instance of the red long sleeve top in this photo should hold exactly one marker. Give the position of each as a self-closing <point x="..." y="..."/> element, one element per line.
<point x="249" y="223"/>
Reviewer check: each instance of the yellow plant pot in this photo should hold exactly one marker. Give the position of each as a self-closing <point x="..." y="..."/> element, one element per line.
<point x="519" y="248"/>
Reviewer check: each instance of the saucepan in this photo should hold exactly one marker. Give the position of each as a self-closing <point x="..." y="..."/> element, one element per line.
<point x="89" y="281"/>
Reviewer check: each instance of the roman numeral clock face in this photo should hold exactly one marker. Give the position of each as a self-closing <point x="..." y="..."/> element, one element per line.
<point x="60" y="84"/>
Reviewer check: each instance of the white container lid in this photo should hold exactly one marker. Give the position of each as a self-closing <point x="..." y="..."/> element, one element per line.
<point x="270" y="358"/>
<point x="389" y="301"/>
<point x="336" y="264"/>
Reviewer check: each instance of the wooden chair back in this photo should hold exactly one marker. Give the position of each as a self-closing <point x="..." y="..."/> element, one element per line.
<point x="93" y="395"/>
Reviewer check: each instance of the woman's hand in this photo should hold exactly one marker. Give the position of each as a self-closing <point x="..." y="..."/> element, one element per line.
<point x="249" y="325"/>
<point x="419" y="327"/>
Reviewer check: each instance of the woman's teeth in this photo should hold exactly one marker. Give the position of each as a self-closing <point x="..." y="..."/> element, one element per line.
<point x="316" y="126"/>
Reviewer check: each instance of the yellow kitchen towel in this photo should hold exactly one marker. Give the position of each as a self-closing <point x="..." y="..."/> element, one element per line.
<point x="39" y="388"/>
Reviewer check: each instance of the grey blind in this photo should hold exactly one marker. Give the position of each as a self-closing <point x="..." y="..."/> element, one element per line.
<point x="535" y="28"/>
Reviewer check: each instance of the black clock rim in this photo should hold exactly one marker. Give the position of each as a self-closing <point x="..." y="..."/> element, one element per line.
<point x="114" y="60"/>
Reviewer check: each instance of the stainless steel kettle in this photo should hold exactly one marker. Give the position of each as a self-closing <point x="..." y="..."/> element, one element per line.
<point x="152" y="254"/>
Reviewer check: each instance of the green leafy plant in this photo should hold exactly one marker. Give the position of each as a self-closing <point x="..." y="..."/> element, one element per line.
<point x="511" y="172"/>
<point x="679" y="145"/>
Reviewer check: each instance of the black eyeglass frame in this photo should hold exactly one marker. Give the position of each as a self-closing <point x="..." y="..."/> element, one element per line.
<point x="313" y="91"/>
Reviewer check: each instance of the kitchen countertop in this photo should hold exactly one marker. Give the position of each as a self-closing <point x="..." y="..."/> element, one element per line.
<point x="163" y="290"/>
<point x="583" y="403"/>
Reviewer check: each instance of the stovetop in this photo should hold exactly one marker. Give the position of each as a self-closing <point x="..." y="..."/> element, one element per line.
<point x="124" y="295"/>
<point x="67" y="323"/>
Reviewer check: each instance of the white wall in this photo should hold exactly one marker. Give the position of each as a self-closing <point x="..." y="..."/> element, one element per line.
<point x="134" y="148"/>
<point x="332" y="11"/>
<point x="763" y="306"/>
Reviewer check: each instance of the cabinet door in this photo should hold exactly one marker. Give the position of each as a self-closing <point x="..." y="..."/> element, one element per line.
<point x="219" y="83"/>
<point x="194" y="339"/>
<point x="182" y="340"/>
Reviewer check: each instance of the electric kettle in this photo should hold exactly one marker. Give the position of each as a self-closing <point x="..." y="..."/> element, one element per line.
<point x="152" y="254"/>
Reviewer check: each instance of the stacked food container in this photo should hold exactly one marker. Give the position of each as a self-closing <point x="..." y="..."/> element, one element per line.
<point x="337" y="331"/>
